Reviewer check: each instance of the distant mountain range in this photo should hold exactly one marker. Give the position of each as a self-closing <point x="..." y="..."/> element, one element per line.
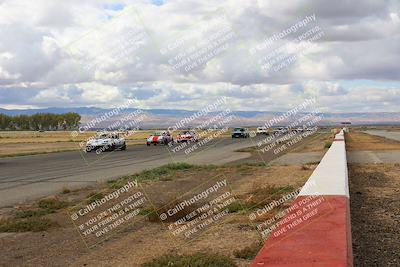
<point x="166" y="117"/>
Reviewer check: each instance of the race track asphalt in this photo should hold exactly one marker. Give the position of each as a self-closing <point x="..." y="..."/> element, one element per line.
<point x="29" y="177"/>
<point x="386" y="134"/>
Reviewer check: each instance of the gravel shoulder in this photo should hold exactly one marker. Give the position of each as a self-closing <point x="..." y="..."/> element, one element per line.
<point x="374" y="199"/>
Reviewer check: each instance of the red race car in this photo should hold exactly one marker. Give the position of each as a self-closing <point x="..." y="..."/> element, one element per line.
<point x="162" y="137"/>
<point x="187" y="136"/>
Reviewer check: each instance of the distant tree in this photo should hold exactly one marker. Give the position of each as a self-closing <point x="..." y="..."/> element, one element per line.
<point x="40" y="121"/>
<point x="36" y="122"/>
<point x="71" y="120"/>
<point x="21" y="122"/>
<point x="5" y="121"/>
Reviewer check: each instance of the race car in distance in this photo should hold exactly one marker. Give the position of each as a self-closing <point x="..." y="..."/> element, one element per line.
<point x="240" y="133"/>
<point x="281" y="130"/>
<point x="262" y="130"/>
<point x="159" y="137"/>
<point x="105" y="142"/>
<point x="187" y="136"/>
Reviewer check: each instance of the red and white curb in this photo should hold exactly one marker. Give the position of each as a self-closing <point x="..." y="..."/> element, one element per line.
<point x="316" y="229"/>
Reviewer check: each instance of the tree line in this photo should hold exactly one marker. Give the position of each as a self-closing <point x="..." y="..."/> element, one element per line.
<point x="40" y="121"/>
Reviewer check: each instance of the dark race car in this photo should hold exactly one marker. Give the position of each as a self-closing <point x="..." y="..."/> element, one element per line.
<point x="240" y="133"/>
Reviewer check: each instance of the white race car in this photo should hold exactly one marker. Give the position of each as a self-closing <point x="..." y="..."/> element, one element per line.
<point x="262" y="130"/>
<point x="105" y="141"/>
<point x="187" y="136"/>
<point x="161" y="137"/>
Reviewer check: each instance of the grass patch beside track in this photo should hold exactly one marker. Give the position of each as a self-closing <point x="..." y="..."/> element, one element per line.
<point x="163" y="173"/>
<point x="45" y="206"/>
<point x="31" y="219"/>
<point x="31" y="224"/>
<point x="194" y="260"/>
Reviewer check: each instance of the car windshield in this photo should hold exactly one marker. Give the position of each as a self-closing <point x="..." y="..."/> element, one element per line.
<point x="157" y="133"/>
<point x="102" y="136"/>
<point x="238" y="130"/>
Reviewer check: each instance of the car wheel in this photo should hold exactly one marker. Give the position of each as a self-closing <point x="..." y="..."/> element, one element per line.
<point x="123" y="146"/>
<point x="148" y="144"/>
<point x="88" y="149"/>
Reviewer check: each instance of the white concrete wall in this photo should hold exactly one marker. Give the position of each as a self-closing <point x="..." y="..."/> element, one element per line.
<point x="331" y="175"/>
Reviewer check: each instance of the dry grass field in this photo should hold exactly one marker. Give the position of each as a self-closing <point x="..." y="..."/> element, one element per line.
<point x="361" y="141"/>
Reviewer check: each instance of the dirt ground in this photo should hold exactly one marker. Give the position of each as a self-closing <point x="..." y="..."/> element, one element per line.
<point x="375" y="209"/>
<point x="374" y="204"/>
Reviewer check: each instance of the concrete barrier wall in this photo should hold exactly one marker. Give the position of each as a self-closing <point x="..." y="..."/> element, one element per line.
<point x="315" y="231"/>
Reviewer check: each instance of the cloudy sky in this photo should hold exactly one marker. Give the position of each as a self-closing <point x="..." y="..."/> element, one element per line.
<point x="184" y="54"/>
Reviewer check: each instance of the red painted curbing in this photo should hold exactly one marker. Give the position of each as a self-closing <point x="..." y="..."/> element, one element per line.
<point x="314" y="232"/>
